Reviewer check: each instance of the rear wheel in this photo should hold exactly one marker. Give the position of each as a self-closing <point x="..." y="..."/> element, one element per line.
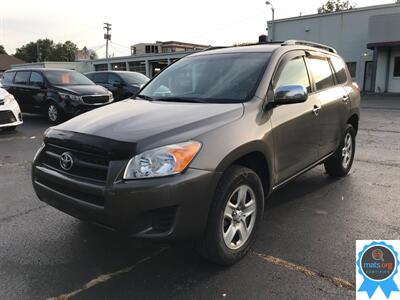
<point x="234" y="216"/>
<point x="339" y="164"/>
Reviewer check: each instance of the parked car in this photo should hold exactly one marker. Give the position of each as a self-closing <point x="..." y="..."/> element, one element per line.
<point x="207" y="141"/>
<point x="10" y="114"/>
<point x="57" y="93"/>
<point x="123" y="84"/>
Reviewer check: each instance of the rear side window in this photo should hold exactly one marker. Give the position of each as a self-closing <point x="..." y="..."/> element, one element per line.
<point x="112" y="78"/>
<point x="340" y="69"/>
<point x="321" y="72"/>
<point x="294" y="72"/>
<point x="22" y="77"/>
<point x="8" y="77"/>
<point x="100" y="78"/>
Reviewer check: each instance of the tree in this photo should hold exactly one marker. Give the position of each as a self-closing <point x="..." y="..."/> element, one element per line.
<point x="2" y="50"/>
<point x="335" y="5"/>
<point x="46" y="50"/>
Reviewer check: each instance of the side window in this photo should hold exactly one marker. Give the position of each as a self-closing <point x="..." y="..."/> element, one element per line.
<point x="112" y="78"/>
<point x="22" y="77"/>
<point x="100" y="78"/>
<point x="340" y="69"/>
<point x="321" y="72"/>
<point x="8" y="77"/>
<point x="36" y="79"/>
<point x="294" y="72"/>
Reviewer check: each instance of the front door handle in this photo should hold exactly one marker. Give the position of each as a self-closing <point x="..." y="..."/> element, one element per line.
<point x="316" y="109"/>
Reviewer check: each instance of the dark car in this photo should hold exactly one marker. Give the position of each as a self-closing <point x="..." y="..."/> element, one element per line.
<point x="57" y="93"/>
<point x="123" y="84"/>
<point x="204" y="144"/>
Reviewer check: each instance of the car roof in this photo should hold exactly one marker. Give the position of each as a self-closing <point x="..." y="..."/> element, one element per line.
<point x="117" y="72"/>
<point x="39" y="69"/>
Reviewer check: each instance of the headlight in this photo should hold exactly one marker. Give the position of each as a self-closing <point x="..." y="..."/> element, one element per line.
<point x="163" y="161"/>
<point x="70" y="97"/>
<point x="111" y="95"/>
<point x="8" y="99"/>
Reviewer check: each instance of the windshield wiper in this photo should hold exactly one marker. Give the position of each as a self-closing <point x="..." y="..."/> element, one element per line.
<point x="182" y="99"/>
<point x="145" y="97"/>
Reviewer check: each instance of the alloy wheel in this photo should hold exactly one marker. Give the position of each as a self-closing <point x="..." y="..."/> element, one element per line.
<point x="239" y="217"/>
<point x="347" y="151"/>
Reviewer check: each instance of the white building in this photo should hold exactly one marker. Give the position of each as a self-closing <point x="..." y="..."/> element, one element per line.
<point x="368" y="39"/>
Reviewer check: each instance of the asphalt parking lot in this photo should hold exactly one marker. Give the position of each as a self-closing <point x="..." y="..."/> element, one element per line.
<point x="305" y="249"/>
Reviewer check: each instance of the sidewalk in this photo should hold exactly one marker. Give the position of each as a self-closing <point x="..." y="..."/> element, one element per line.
<point x="381" y="101"/>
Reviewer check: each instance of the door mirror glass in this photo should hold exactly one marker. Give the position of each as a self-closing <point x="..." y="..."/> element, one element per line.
<point x="287" y="94"/>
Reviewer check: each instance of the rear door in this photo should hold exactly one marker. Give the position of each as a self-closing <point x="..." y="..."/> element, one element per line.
<point x="296" y="129"/>
<point x="333" y="99"/>
<point x="37" y="90"/>
<point x="115" y="85"/>
<point x="21" y="91"/>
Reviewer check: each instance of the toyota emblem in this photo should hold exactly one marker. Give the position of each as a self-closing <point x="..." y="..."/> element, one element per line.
<point x="66" y="161"/>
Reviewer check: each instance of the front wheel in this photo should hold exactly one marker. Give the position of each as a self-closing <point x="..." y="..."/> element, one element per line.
<point x="234" y="217"/>
<point x="339" y="164"/>
<point x="54" y="113"/>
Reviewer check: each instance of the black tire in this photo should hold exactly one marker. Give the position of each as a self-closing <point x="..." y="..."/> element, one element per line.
<point x="10" y="128"/>
<point x="212" y="245"/>
<point x="55" y="108"/>
<point x="336" y="165"/>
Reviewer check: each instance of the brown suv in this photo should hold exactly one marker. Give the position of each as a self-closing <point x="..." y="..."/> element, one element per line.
<point x="204" y="144"/>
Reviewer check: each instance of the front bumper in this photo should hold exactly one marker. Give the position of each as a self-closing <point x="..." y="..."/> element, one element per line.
<point x="15" y="114"/>
<point x="172" y="207"/>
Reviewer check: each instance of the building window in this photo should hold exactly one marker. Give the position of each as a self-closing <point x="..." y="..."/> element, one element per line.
<point x="138" y="66"/>
<point x="396" y="69"/>
<point x="352" y="66"/>
<point x="101" y="67"/>
<point x="147" y="49"/>
<point x="118" y="66"/>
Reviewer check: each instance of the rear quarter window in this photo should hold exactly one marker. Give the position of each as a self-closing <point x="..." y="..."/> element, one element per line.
<point x="8" y="77"/>
<point x="340" y="69"/>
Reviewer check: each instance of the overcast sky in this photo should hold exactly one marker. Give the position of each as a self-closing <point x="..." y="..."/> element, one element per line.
<point x="210" y="22"/>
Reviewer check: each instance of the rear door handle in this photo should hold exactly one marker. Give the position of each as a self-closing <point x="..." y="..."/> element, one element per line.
<point x="316" y="109"/>
<point x="346" y="98"/>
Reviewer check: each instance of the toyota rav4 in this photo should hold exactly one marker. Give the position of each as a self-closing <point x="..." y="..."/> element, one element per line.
<point x="203" y="145"/>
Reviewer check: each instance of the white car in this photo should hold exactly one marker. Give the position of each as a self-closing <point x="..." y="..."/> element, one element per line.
<point x="10" y="113"/>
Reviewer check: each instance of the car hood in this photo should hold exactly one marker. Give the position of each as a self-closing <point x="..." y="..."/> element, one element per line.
<point x="82" y="90"/>
<point x="153" y="123"/>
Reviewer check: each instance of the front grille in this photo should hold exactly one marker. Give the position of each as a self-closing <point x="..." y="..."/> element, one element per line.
<point x="88" y="166"/>
<point x="101" y="99"/>
<point x="74" y="193"/>
<point x="7" y="117"/>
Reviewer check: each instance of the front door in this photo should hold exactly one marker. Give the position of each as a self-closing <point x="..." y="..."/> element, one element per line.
<point x="296" y="130"/>
<point x="36" y="91"/>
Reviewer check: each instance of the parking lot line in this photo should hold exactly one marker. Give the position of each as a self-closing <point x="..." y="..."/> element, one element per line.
<point x="339" y="282"/>
<point x="106" y="277"/>
<point x="15" y="138"/>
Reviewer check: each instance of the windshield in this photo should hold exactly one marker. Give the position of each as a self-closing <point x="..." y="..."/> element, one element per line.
<point x="65" y="77"/>
<point x="133" y="78"/>
<point x="210" y="78"/>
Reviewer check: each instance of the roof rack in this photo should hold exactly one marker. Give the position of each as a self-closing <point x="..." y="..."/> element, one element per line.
<point x="307" y="43"/>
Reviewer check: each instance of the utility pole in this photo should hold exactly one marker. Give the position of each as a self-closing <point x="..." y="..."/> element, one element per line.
<point x="272" y="33"/>
<point x="107" y="37"/>
<point x="38" y="54"/>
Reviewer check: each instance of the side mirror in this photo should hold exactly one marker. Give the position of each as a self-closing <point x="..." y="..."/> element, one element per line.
<point x="288" y="94"/>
